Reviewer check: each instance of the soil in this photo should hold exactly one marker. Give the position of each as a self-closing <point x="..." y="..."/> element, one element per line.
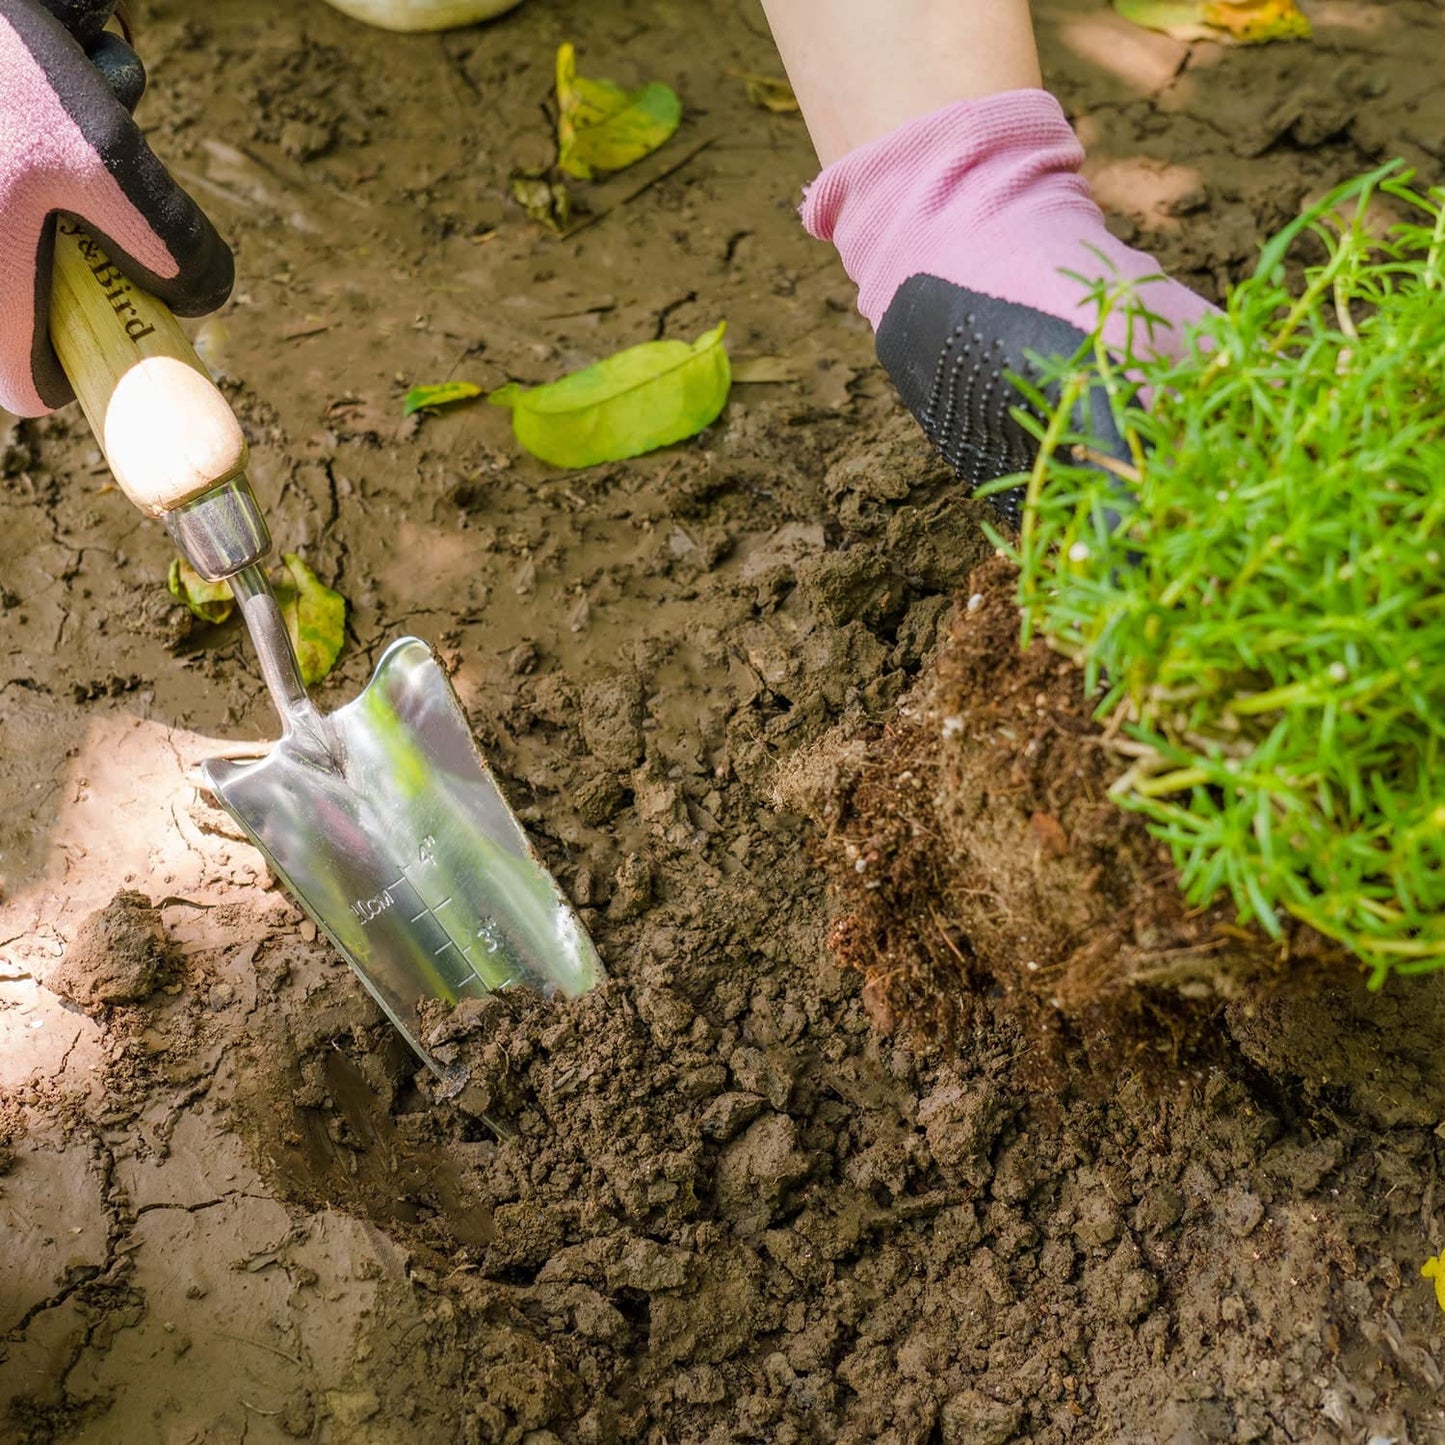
<point x="712" y="1201"/>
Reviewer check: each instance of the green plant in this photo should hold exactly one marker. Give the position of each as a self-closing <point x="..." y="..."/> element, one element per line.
<point x="1256" y="596"/>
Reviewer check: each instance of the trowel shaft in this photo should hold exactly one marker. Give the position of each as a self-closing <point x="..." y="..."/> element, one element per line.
<point x="259" y="606"/>
<point x="302" y="722"/>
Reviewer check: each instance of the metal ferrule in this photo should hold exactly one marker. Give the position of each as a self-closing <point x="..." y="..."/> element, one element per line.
<point x="221" y="531"/>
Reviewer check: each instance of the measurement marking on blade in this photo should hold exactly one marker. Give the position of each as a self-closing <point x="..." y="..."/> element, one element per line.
<point x="370" y="909"/>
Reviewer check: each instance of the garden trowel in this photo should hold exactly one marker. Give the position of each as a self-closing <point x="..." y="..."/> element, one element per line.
<point x="381" y="818"/>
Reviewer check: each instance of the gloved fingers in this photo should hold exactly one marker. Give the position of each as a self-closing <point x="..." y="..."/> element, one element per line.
<point x="205" y="267"/>
<point x="157" y="234"/>
<point x="47" y="379"/>
<point x="952" y="354"/>
<point x="119" y="67"/>
<point x="85" y="19"/>
<point x="91" y="162"/>
<point x="110" y="53"/>
<point x="201" y="281"/>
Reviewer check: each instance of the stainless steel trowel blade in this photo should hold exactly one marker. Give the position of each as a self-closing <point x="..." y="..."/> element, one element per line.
<point x="403" y="850"/>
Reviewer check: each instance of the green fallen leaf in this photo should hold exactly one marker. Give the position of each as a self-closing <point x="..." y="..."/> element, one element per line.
<point x="601" y="126"/>
<point x="443" y="394"/>
<point x="210" y="601"/>
<point x="315" y="617"/>
<point x="646" y="397"/>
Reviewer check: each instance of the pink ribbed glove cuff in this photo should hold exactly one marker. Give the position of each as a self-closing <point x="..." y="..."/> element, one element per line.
<point x="986" y="194"/>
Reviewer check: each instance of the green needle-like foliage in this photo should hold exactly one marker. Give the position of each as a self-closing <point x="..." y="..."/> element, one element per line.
<point x="1256" y="595"/>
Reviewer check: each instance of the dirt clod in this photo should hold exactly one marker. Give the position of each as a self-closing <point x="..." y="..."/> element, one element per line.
<point x="120" y="955"/>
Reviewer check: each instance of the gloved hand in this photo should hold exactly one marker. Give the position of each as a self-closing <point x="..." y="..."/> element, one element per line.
<point x="973" y="241"/>
<point x="68" y="143"/>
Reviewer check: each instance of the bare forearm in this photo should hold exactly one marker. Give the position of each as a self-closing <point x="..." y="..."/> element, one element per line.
<point x="861" y="68"/>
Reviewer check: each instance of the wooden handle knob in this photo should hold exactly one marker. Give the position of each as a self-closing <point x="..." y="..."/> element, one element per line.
<point x="166" y="431"/>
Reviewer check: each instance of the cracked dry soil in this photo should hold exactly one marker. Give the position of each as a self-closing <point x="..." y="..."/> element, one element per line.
<point x="716" y="1205"/>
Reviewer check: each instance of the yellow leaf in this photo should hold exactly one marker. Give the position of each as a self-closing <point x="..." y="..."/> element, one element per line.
<point x="770" y="92"/>
<point x="1435" y="1269"/>
<point x="602" y="127"/>
<point x="546" y="202"/>
<point x="1232" y="22"/>
<point x="444" y="393"/>
<point x="315" y="616"/>
<point x="1250" y="22"/>
<point x="210" y="601"/>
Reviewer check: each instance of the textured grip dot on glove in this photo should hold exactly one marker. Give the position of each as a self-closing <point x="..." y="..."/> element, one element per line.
<point x="951" y="353"/>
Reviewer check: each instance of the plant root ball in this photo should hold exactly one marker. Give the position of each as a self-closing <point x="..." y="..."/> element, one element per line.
<point x="120" y="955"/>
<point x="976" y="859"/>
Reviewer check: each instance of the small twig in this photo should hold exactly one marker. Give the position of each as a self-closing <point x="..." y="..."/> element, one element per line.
<point x="261" y="1345"/>
<point x="1093" y="458"/>
<point x="953" y="948"/>
<point x="195" y="181"/>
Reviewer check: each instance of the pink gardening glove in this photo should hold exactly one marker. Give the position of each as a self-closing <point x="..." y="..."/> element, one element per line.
<point x="960" y="230"/>
<point x="67" y="143"/>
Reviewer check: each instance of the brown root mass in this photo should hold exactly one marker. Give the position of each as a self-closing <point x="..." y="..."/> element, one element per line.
<point x="977" y="847"/>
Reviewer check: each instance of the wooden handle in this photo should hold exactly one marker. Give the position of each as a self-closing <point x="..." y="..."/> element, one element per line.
<point x="166" y="431"/>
